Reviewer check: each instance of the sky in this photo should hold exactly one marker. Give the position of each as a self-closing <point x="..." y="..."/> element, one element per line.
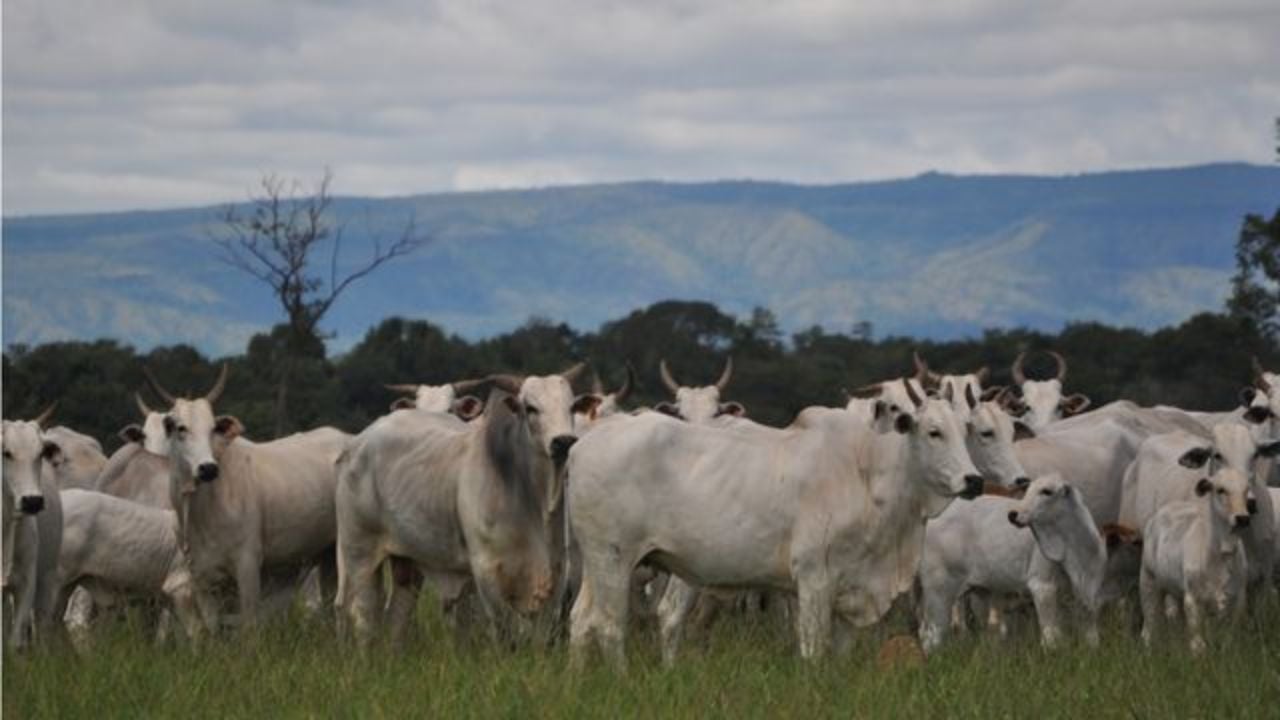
<point x="164" y="103"/>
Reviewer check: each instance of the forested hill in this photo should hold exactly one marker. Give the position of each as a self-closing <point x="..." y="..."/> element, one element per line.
<point x="936" y="256"/>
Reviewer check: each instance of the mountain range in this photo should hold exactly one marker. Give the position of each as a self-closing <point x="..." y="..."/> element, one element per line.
<point x="937" y="256"/>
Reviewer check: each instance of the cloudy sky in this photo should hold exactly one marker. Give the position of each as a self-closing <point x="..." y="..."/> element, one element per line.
<point x="161" y="103"/>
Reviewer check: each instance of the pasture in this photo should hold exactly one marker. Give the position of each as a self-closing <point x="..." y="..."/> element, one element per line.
<point x="742" y="668"/>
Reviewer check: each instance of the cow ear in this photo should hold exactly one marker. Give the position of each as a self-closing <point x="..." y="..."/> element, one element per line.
<point x="50" y="451"/>
<point x="169" y="424"/>
<point x="1270" y="448"/>
<point x="403" y="403"/>
<point x="1257" y="414"/>
<point x="1074" y="404"/>
<point x="1247" y="394"/>
<point x="467" y="407"/>
<point x="667" y="408"/>
<point x="1195" y="458"/>
<point x="904" y="423"/>
<point x="585" y="404"/>
<point x="1203" y="487"/>
<point x="131" y="433"/>
<point x="228" y="426"/>
<point x="732" y="408"/>
<point x="1022" y="431"/>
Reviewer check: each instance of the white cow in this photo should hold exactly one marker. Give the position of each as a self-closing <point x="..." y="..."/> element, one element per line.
<point x="245" y="507"/>
<point x="597" y="405"/>
<point x="32" y="516"/>
<point x="1042" y="401"/>
<point x="113" y="547"/>
<point x="464" y="502"/>
<point x="448" y="398"/>
<point x="970" y="546"/>
<point x="1192" y="552"/>
<point x="698" y="404"/>
<point x="1169" y="467"/>
<point x="74" y="459"/>
<point x="833" y="512"/>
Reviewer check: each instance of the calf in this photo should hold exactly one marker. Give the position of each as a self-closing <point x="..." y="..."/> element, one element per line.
<point x="112" y="546"/>
<point x="1192" y="551"/>
<point x="970" y="546"/>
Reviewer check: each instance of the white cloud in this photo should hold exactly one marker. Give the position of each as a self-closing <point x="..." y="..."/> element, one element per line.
<point x="150" y="103"/>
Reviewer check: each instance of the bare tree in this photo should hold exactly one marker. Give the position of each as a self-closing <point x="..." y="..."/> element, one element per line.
<point x="276" y="239"/>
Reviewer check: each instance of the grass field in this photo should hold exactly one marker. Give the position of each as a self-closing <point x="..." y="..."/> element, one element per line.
<point x="742" y="668"/>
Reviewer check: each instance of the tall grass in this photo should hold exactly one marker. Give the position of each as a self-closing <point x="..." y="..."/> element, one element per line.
<point x="744" y="667"/>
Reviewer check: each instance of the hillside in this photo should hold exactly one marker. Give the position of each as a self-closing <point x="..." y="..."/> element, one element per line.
<point x="937" y="255"/>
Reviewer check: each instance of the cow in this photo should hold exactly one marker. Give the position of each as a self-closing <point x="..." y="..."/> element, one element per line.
<point x="1042" y="401"/>
<point x="32" y="527"/>
<point x="1192" y="552"/>
<point x="1169" y="466"/>
<point x="971" y="547"/>
<point x="698" y="404"/>
<point x="833" y="512"/>
<point x="134" y="472"/>
<point x="450" y="398"/>
<point x="863" y="401"/>
<point x="466" y="503"/>
<point x="74" y="459"/>
<point x="588" y="408"/>
<point x="245" y="507"/>
<point x="112" y="546"/>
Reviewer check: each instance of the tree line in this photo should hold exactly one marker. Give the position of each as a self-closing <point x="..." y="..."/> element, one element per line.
<point x="1199" y="364"/>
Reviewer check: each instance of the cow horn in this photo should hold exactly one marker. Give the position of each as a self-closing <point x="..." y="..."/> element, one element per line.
<point x="911" y="393"/>
<point x="627" y="385"/>
<point x="982" y="374"/>
<point x="142" y="404"/>
<point x="508" y="383"/>
<point x="216" y="391"/>
<point x="723" y="382"/>
<point x="401" y="387"/>
<point x="156" y="387"/>
<point x="462" y="386"/>
<point x="597" y="387"/>
<point x="667" y="380"/>
<point x="1018" y="377"/>
<point x="1259" y="377"/>
<point x="43" y="417"/>
<point x="572" y="373"/>
<point x="922" y="367"/>
<point x="1062" y="365"/>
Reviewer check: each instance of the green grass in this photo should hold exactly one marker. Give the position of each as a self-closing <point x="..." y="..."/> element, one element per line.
<point x="743" y="668"/>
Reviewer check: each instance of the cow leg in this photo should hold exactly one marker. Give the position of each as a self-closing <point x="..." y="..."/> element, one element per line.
<point x="24" y="603"/>
<point x="678" y="599"/>
<point x="406" y="584"/>
<point x="1195" y="629"/>
<point x="249" y="587"/>
<point x="940" y="599"/>
<point x="1151" y="602"/>
<point x="181" y="592"/>
<point x="1045" y="596"/>
<point x="813" y="621"/>
<point x="79" y="618"/>
<point x="601" y="611"/>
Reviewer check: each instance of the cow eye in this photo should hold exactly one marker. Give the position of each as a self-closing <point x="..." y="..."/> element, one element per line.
<point x="1046" y="492"/>
<point x="1222" y="491"/>
<point x="8" y="455"/>
<point x="989" y="434"/>
<point x="531" y="410"/>
<point x="935" y="434"/>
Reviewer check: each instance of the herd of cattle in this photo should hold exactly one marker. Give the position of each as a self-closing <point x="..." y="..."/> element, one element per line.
<point x="540" y="502"/>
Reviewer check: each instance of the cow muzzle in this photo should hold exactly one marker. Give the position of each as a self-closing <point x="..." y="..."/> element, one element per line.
<point x="972" y="487"/>
<point x="1241" y="522"/>
<point x="560" y="445"/>
<point x="31" y="504"/>
<point x="207" y="472"/>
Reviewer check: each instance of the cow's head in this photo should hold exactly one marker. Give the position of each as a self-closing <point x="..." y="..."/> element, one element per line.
<point x="1262" y="398"/>
<point x="598" y="404"/>
<point x="937" y="446"/>
<point x="1050" y="503"/>
<point x="151" y="434"/>
<point x="880" y="403"/>
<point x="958" y="387"/>
<point x="1227" y="492"/>
<point x="25" y="448"/>
<point x="698" y="405"/>
<point x="1236" y="447"/>
<point x="449" y="398"/>
<point x="990" y="434"/>
<point x="1042" y="401"/>
<point x="194" y="437"/>
<point x="544" y="402"/>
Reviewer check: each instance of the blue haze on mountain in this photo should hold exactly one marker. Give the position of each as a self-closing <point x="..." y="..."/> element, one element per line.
<point x="936" y="256"/>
